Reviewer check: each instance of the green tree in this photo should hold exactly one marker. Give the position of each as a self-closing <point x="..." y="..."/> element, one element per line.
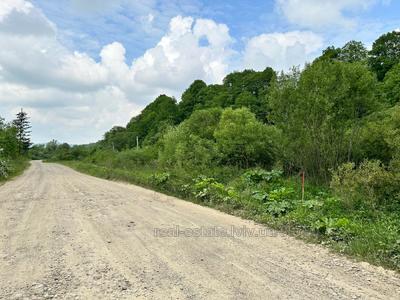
<point x="203" y="122"/>
<point x="319" y="112"/>
<point x="353" y="51"/>
<point x="391" y="86"/>
<point x="243" y="140"/>
<point x="246" y="99"/>
<point x="192" y="143"/>
<point x="22" y="125"/>
<point x="9" y="144"/>
<point x="330" y="53"/>
<point x="117" y="138"/>
<point x="191" y="99"/>
<point x="385" y="53"/>
<point x="156" y="116"/>
<point x="379" y="136"/>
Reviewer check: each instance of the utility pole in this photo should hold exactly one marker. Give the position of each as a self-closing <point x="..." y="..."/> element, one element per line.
<point x="137" y="142"/>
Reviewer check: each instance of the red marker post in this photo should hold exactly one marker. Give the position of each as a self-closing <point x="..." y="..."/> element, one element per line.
<point x="302" y="185"/>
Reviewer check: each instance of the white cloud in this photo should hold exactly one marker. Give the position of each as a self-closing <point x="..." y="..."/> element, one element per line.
<point x="179" y="56"/>
<point x="7" y="6"/>
<point x="281" y="51"/>
<point x="319" y="14"/>
<point x="72" y="97"/>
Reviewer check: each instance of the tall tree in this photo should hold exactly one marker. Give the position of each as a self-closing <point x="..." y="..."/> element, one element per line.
<point x="23" y="126"/>
<point x="320" y="113"/>
<point x="155" y="118"/>
<point x="385" y="53"/>
<point x="353" y="51"/>
<point x="391" y="86"/>
<point x="191" y="98"/>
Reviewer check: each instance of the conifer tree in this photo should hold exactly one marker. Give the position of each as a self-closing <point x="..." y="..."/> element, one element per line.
<point x="22" y="125"/>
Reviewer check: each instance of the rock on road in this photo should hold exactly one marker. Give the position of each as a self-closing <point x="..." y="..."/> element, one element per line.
<point x="65" y="235"/>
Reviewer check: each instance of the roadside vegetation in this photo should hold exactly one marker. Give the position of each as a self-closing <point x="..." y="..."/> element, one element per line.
<point x="244" y="145"/>
<point x="14" y="146"/>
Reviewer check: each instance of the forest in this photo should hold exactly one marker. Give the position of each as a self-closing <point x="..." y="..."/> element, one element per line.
<point x="244" y="147"/>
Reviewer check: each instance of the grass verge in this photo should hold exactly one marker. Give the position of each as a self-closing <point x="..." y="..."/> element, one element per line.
<point x="17" y="167"/>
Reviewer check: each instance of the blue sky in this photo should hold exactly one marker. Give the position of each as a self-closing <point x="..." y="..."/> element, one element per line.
<point x="80" y="67"/>
<point x="87" y="27"/>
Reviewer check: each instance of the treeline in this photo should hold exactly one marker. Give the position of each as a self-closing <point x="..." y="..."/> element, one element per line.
<point x="341" y="108"/>
<point x="242" y="144"/>
<point x="14" y="145"/>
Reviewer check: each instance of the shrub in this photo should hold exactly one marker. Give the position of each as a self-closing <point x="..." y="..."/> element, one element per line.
<point x="369" y="184"/>
<point x="259" y="175"/>
<point x="209" y="189"/>
<point x="279" y="201"/>
<point x="260" y="196"/>
<point x="4" y="168"/>
<point x="181" y="148"/>
<point x="281" y="194"/>
<point x="160" y="178"/>
<point x="278" y="208"/>
<point x="337" y="229"/>
<point x="135" y="157"/>
<point x="244" y="141"/>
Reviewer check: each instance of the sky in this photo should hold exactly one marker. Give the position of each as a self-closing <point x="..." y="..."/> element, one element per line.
<point x="80" y="67"/>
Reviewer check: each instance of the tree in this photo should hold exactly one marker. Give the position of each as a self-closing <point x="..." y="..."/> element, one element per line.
<point x="22" y="125"/>
<point x="330" y="53"/>
<point x="8" y="140"/>
<point x="378" y="138"/>
<point x="385" y="53"/>
<point x="246" y="99"/>
<point x="319" y="113"/>
<point x="256" y="83"/>
<point x="116" y="138"/>
<point x="353" y="51"/>
<point x="2" y="123"/>
<point x="391" y="85"/>
<point x="191" y="99"/>
<point x="192" y="143"/>
<point x="155" y="118"/>
<point x="203" y="122"/>
<point x="244" y="141"/>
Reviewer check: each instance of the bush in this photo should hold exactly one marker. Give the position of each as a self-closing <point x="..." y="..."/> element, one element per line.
<point x="244" y="141"/>
<point x="159" y="178"/>
<point x="209" y="189"/>
<point x="276" y="208"/>
<point x="259" y="175"/>
<point x="4" y="169"/>
<point x="136" y="157"/>
<point x="338" y="229"/>
<point x="181" y="148"/>
<point x="369" y="184"/>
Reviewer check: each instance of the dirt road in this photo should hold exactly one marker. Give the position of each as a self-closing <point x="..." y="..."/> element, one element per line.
<point x="65" y="235"/>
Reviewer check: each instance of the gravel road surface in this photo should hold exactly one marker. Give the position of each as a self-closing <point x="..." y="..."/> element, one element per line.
<point x="65" y="235"/>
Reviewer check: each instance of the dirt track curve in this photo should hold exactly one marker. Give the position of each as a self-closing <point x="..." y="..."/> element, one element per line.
<point x="65" y="235"/>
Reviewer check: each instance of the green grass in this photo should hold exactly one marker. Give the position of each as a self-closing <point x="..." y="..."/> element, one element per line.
<point x="18" y="166"/>
<point x="363" y="233"/>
